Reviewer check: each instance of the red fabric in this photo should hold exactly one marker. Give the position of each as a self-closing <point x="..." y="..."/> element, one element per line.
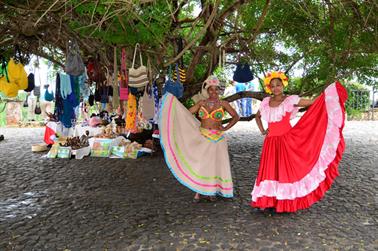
<point x="49" y="132"/>
<point x="289" y="154"/>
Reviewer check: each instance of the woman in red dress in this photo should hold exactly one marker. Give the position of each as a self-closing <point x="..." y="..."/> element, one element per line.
<point x="298" y="164"/>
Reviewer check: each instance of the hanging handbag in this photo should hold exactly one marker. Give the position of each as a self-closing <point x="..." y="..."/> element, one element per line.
<point x="91" y="100"/>
<point x="124" y="80"/>
<point x="138" y="77"/>
<point x="181" y="68"/>
<point x="173" y="87"/>
<point x="148" y="103"/>
<point x="243" y="73"/>
<point x="49" y="96"/>
<point x="31" y="83"/>
<point x="74" y="63"/>
<point x="37" y="109"/>
<point x="182" y="73"/>
<point x="26" y="102"/>
<point x="97" y="94"/>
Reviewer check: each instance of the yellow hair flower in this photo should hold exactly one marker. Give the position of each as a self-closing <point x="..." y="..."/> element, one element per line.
<point x="272" y="75"/>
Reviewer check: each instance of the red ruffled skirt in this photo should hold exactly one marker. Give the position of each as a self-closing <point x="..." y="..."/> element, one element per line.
<point x="299" y="164"/>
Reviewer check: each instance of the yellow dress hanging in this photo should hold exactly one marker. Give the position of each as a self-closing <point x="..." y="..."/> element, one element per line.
<point x="131" y="113"/>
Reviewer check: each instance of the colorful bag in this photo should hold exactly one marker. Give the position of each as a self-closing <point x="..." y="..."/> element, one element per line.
<point x="182" y="73"/>
<point x="64" y="152"/>
<point x="138" y="77"/>
<point x="101" y="147"/>
<point x="53" y="153"/>
<point x="173" y="87"/>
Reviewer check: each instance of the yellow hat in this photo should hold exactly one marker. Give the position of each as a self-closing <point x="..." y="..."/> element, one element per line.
<point x="273" y="75"/>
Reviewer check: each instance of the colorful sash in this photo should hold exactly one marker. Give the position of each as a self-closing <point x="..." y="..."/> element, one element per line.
<point x="212" y="135"/>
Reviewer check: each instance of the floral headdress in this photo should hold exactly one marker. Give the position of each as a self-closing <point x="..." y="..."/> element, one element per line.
<point x="272" y="75"/>
<point x="211" y="81"/>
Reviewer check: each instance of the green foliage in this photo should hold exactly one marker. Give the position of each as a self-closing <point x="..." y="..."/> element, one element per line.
<point x="358" y="100"/>
<point x="324" y="41"/>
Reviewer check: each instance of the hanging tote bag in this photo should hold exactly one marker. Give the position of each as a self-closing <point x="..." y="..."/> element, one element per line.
<point x="148" y="103"/>
<point x="37" y="109"/>
<point x="174" y="87"/>
<point x="123" y="87"/>
<point x="31" y="83"/>
<point x="181" y="68"/>
<point x="74" y="63"/>
<point x="138" y="77"/>
<point x="49" y="96"/>
<point x="182" y="73"/>
<point x="243" y="73"/>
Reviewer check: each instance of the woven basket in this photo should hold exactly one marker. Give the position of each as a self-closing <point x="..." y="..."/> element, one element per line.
<point x="39" y="148"/>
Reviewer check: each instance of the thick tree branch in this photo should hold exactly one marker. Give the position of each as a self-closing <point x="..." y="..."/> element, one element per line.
<point x="208" y="23"/>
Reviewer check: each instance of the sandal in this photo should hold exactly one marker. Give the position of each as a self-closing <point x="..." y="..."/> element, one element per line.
<point x="196" y="200"/>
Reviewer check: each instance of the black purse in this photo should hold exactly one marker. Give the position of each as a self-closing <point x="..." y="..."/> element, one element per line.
<point x="26" y="102"/>
<point x="37" y="109"/>
<point x="243" y="73"/>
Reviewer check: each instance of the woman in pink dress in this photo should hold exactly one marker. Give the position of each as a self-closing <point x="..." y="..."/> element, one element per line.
<point x="298" y="164"/>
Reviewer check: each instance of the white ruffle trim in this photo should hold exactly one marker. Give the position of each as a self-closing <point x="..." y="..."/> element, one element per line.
<point x="303" y="187"/>
<point x="275" y="114"/>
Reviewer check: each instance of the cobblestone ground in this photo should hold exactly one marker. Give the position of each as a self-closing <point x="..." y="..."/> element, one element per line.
<point x="113" y="204"/>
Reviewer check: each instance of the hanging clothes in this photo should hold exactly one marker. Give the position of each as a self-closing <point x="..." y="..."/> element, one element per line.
<point x="65" y="85"/>
<point x="155" y="93"/>
<point x="131" y="113"/>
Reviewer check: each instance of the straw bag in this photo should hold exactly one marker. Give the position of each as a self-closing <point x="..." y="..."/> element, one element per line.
<point x="39" y="147"/>
<point x="138" y="77"/>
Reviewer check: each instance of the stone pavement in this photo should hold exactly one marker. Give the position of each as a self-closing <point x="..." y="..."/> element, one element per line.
<point x="113" y="204"/>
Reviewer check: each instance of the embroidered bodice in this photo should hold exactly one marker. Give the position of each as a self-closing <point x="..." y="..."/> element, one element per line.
<point x="215" y="115"/>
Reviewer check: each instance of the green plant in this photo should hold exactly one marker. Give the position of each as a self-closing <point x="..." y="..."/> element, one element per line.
<point x="358" y="100"/>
